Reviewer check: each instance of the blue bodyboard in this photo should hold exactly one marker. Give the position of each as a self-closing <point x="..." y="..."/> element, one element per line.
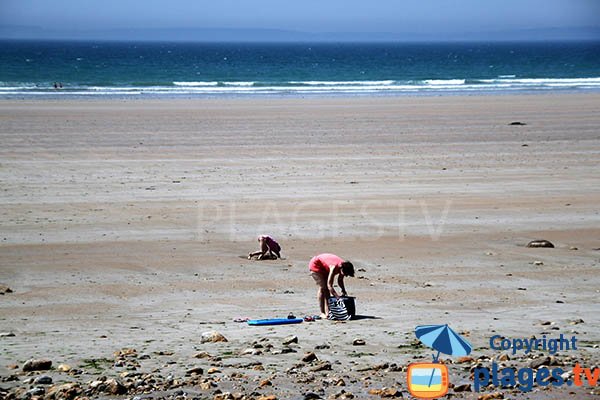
<point x="274" y="321"/>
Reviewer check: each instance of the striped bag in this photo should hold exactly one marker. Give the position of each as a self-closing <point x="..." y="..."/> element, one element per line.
<point x="341" y="309"/>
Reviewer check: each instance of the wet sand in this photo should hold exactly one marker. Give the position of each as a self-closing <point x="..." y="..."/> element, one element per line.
<point x="124" y="224"/>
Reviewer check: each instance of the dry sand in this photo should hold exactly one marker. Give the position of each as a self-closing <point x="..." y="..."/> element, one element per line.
<point x="124" y="225"/>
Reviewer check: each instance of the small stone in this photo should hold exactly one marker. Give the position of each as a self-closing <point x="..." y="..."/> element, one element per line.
<point x="43" y="380"/>
<point x="67" y="391"/>
<point x="37" y="365"/>
<point x="202" y="354"/>
<point x="6" y="334"/>
<point x="213" y="371"/>
<point x="212" y="337"/>
<point x="195" y="371"/>
<point x="517" y="123"/>
<point x="311" y="396"/>
<point x="465" y="387"/>
<point x="115" y="387"/>
<point x="503" y="357"/>
<point x="37" y="391"/>
<point x="269" y="397"/>
<point x="63" y="368"/>
<point x="545" y="323"/>
<point x="5" y="289"/>
<point x="386" y="392"/>
<point x="265" y="382"/>
<point x="322" y="346"/>
<point x="490" y="396"/>
<point x="538" y="362"/>
<point x="577" y="322"/>
<point x="538" y="262"/>
<point x="540" y="243"/>
<point x="321" y="366"/>
<point x="573" y="248"/>
<point x="308" y="357"/>
<point x="358" y="342"/>
<point x="290" y="339"/>
<point x="465" y="360"/>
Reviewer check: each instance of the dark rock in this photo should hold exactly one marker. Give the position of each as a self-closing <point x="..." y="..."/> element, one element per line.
<point x="194" y="371"/>
<point x="465" y="387"/>
<point x="322" y="346"/>
<point x="7" y="334"/>
<point x="5" y="289"/>
<point x="43" y="380"/>
<point x="115" y="387"/>
<point x="517" y="123"/>
<point x="308" y="357"/>
<point x="321" y="366"/>
<point x="540" y="243"/>
<point x="37" y="365"/>
<point x="311" y="396"/>
<point x="358" y="342"/>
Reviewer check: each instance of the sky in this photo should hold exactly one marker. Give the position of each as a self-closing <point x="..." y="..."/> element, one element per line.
<point x="434" y="18"/>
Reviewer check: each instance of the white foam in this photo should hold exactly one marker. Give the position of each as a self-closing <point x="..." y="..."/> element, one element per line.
<point x="340" y="83"/>
<point x="444" y="82"/>
<point x="195" y="83"/>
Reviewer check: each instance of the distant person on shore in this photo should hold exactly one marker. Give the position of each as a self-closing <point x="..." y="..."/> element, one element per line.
<point x="269" y="249"/>
<point x="324" y="268"/>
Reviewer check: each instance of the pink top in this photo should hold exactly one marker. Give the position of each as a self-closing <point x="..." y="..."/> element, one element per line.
<point x="322" y="262"/>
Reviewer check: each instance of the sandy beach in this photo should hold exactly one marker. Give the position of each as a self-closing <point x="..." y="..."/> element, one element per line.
<point x="125" y="225"/>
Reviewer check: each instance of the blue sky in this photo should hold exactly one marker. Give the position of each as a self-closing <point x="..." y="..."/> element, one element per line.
<point x="431" y="17"/>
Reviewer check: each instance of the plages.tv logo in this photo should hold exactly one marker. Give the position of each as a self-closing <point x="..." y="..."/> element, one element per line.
<point x="430" y="380"/>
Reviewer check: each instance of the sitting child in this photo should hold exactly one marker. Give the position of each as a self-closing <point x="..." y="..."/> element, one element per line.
<point x="269" y="249"/>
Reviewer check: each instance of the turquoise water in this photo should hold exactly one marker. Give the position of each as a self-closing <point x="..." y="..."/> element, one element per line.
<point x="30" y="69"/>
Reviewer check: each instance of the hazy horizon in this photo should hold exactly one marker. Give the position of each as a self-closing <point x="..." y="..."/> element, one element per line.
<point x="271" y="20"/>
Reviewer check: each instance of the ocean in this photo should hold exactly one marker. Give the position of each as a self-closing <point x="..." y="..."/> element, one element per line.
<point x="32" y="69"/>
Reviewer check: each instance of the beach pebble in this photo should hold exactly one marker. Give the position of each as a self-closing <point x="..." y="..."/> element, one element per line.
<point x="490" y="396"/>
<point x="358" y="342"/>
<point x="308" y="357"/>
<point x="37" y="365"/>
<point x="36" y="391"/>
<point x="577" y="322"/>
<point x="212" y="337"/>
<point x="517" y="123"/>
<point x="63" y="368"/>
<point x="465" y="387"/>
<point x="573" y="248"/>
<point x="321" y="366"/>
<point x="195" y="371"/>
<point x="43" y="380"/>
<point x="311" y="396"/>
<point x="322" y="346"/>
<point x="465" y="360"/>
<point x="538" y="362"/>
<point x="202" y="354"/>
<point x="5" y="289"/>
<point x="290" y="339"/>
<point x="213" y="370"/>
<point x="114" y="387"/>
<point x="540" y="243"/>
<point x="386" y="392"/>
<point x="6" y="334"/>
<point x="67" y="391"/>
<point x="537" y="262"/>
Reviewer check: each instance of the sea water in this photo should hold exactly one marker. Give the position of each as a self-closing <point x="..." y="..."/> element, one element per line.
<point x="118" y="69"/>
